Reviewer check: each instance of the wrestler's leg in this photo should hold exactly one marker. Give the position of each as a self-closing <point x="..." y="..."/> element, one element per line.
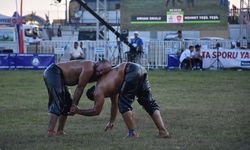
<point x="156" y="117"/>
<point x="145" y="98"/>
<point x="52" y="123"/>
<point x="62" y="121"/>
<point x="67" y="102"/>
<point x="128" y="119"/>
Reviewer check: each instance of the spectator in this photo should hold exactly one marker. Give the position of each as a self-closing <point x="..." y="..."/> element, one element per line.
<point x="238" y="45"/>
<point x="180" y="38"/>
<point x="190" y="3"/>
<point x="173" y="2"/>
<point x="138" y="44"/>
<point x="185" y="58"/>
<point x="197" y="58"/>
<point x="59" y="31"/>
<point x="223" y="3"/>
<point x="244" y="43"/>
<point x="83" y="48"/>
<point x="233" y="45"/>
<point x="76" y="53"/>
<point x="179" y="35"/>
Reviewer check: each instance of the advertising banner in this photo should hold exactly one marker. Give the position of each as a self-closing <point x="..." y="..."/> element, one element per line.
<point x="221" y="58"/>
<point x="25" y="61"/>
<point x="4" y="61"/>
<point x="226" y="58"/>
<point x="173" y="15"/>
<point x="8" y="21"/>
<point x="7" y="35"/>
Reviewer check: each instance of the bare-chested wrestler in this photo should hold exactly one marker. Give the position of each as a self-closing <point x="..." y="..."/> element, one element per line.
<point x="128" y="80"/>
<point x="58" y="76"/>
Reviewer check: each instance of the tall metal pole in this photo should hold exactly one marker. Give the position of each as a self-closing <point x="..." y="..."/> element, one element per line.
<point x="101" y="10"/>
<point x="66" y="11"/>
<point x="97" y="22"/>
<point x="16" y="7"/>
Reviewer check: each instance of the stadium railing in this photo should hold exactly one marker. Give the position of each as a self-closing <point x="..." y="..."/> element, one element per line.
<point x="155" y="52"/>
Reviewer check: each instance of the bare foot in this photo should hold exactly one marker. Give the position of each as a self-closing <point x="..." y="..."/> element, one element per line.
<point x="134" y="136"/>
<point x="61" y="132"/>
<point x="164" y="134"/>
<point x="51" y="133"/>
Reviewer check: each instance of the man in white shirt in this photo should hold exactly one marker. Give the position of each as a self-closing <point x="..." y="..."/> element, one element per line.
<point x="185" y="58"/>
<point x="76" y="53"/>
<point x="197" y="58"/>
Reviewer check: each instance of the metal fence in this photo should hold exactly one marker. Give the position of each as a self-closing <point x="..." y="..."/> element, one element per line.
<point x="155" y="52"/>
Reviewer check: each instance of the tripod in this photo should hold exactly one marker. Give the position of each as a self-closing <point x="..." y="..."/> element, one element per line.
<point x="119" y="51"/>
<point x="219" y="65"/>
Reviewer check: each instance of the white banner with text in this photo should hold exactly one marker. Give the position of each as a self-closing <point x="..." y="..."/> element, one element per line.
<point x="226" y="58"/>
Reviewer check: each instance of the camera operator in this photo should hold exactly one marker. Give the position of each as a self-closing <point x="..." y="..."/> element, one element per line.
<point x="138" y="44"/>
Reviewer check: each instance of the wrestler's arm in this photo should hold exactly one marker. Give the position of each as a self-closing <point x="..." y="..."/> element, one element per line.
<point x="97" y="108"/>
<point x="113" y="112"/>
<point x="82" y="82"/>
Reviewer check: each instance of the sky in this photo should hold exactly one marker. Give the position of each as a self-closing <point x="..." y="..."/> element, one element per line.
<point x="42" y="7"/>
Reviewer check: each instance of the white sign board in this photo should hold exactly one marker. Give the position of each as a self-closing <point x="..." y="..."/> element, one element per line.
<point x="99" y="50"/>
<point x="59" y="50"/>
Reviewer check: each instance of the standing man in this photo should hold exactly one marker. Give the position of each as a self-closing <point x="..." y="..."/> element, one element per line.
<point x="76" y="52"/>
<point x="190" y="4"/>
<point x="223" y="3"/>
<point x="58" y="76"/>
<point x="185" y="58"/>
<point x="173" y="2"/>
<point x="128" y="80"/>
<point x="138" y="44"/>
<point x="59" y="31"/>
<point x="179" y="35"/>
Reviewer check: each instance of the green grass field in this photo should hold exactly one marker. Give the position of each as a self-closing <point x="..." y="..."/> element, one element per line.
<point x="203" y="110"/>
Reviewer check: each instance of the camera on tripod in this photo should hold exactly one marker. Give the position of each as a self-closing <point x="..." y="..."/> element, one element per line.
<point x="217" y="62"/>
<point x="217" y="45"/>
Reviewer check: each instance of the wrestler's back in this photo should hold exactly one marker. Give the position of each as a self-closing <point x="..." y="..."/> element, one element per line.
<point x="72" y="70"/>
<point x="110" y="82"/>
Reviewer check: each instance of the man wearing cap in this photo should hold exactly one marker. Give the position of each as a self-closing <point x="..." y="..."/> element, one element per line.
<point x="138" y="44"/>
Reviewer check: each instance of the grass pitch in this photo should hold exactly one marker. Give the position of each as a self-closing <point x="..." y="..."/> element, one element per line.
<point x="202" y="110"/>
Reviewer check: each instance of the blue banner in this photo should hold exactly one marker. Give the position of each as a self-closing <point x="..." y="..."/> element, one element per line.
<point x="26" y="61"/>
<point x="173" y="61"/>
<point x="4" y="61"/>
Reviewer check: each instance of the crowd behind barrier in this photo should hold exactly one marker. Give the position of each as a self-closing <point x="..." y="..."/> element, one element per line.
<point x="155" y="52"/>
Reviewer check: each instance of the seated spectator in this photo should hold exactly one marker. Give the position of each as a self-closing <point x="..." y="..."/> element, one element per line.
<point x="233" y="44"/>
<point x="197" y="58"/>
<point x="185" y="58"/>
<point x="238" y="45"/>
<point x="244" y="43"/>
<point x="76" y="52"/>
